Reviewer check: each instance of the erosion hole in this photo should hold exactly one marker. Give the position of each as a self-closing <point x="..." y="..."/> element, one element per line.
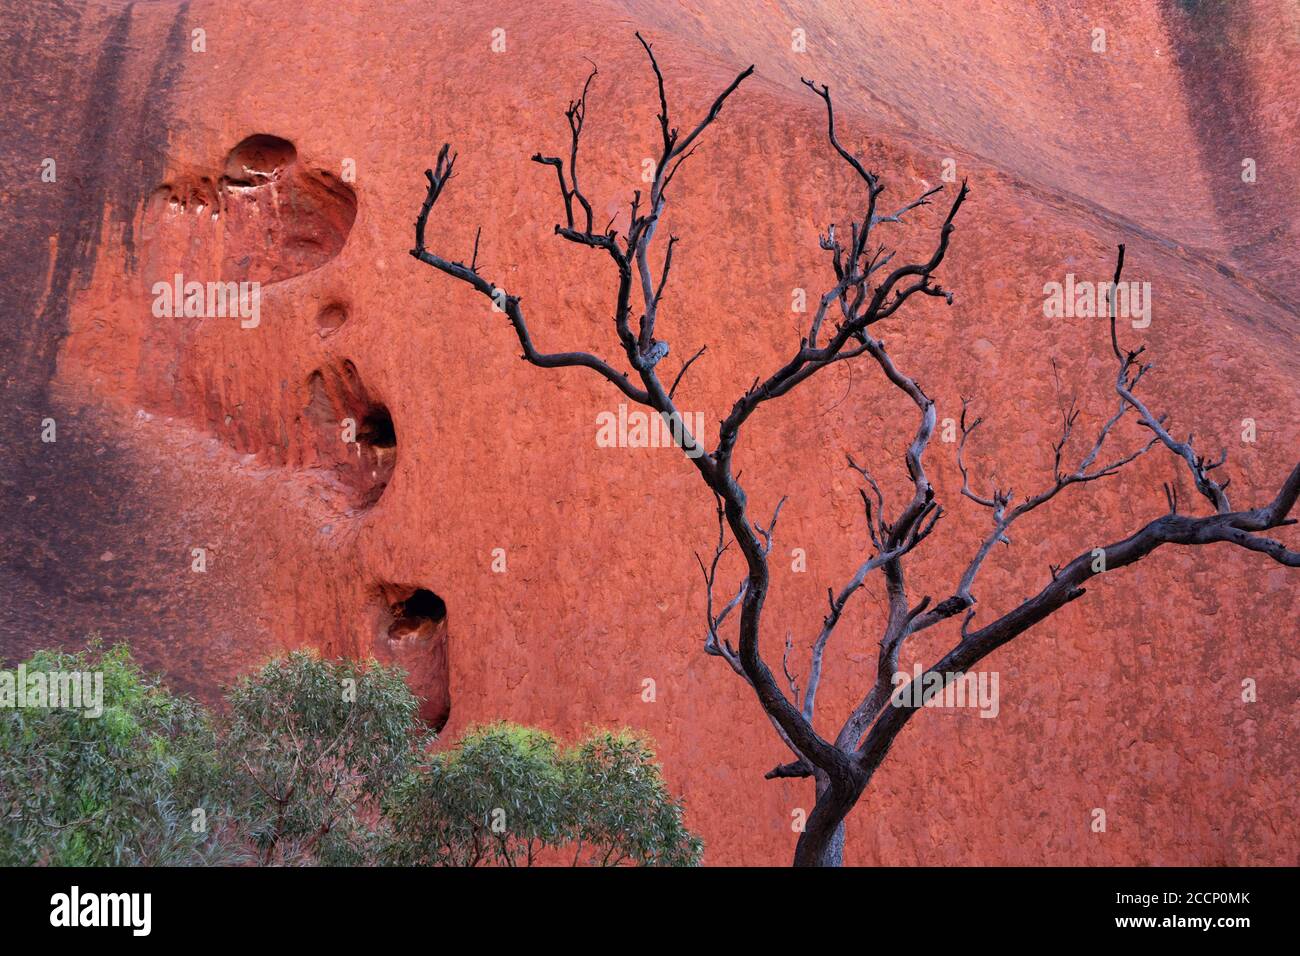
<point x="413" y="635"/>
<point x="259" y="158"/>
<point x="331" y="318"/>
<point x="268" y="216"/>
<point x="421" y="609"/>
<point x="377" y="430"/>
<point x="350" y="433"/>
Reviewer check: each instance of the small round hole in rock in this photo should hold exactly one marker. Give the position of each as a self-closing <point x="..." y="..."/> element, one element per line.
<point x="330" y="319"/>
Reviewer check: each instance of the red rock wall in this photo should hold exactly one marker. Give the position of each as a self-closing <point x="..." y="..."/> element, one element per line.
<point x="1128" y="700"/>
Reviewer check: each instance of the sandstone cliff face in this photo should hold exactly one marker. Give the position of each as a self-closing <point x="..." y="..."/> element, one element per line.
<point x="474" y="531"/>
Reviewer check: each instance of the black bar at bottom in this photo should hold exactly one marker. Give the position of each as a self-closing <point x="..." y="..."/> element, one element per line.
<point x="336" y="907"/>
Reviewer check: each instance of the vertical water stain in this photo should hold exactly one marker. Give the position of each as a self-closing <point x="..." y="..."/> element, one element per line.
<point x="91" y="90"/>
<point x="1216" y="52"/>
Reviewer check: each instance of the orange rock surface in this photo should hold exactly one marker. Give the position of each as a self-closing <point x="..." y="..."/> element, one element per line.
<point x="475" y="533"/>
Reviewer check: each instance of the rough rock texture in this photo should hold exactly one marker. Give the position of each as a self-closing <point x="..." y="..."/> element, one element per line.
<point x="231" y="163"/>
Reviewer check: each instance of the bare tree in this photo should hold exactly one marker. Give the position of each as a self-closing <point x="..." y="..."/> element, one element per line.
<point x="868" y="288"/>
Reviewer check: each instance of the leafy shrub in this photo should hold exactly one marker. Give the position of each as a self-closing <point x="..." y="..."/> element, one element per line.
<point x="310" y="746"/>
<point x="507" y="795"/>
<point x="619" y="807"/>
<point x="316" y="762"/>
<point x="121" y="788"/>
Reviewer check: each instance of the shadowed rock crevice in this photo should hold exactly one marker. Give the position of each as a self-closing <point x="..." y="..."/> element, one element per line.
<point x="422" y="609"/>
<point x="376" y="431"/>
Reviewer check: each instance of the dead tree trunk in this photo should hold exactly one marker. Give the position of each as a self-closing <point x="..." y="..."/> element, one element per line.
<point x="868" y="288"/>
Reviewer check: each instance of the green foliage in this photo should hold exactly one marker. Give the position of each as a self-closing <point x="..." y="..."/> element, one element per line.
<point x="117" y="789"/>
<point x="311" y="746"/>
<point x="507" y="795"/>
<point x="316" y="762"/>
<point x="496" y="798"/>
<point x="620" y="808"/>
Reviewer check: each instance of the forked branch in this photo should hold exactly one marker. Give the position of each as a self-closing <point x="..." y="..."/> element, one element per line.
<point x="868" y="287"/>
